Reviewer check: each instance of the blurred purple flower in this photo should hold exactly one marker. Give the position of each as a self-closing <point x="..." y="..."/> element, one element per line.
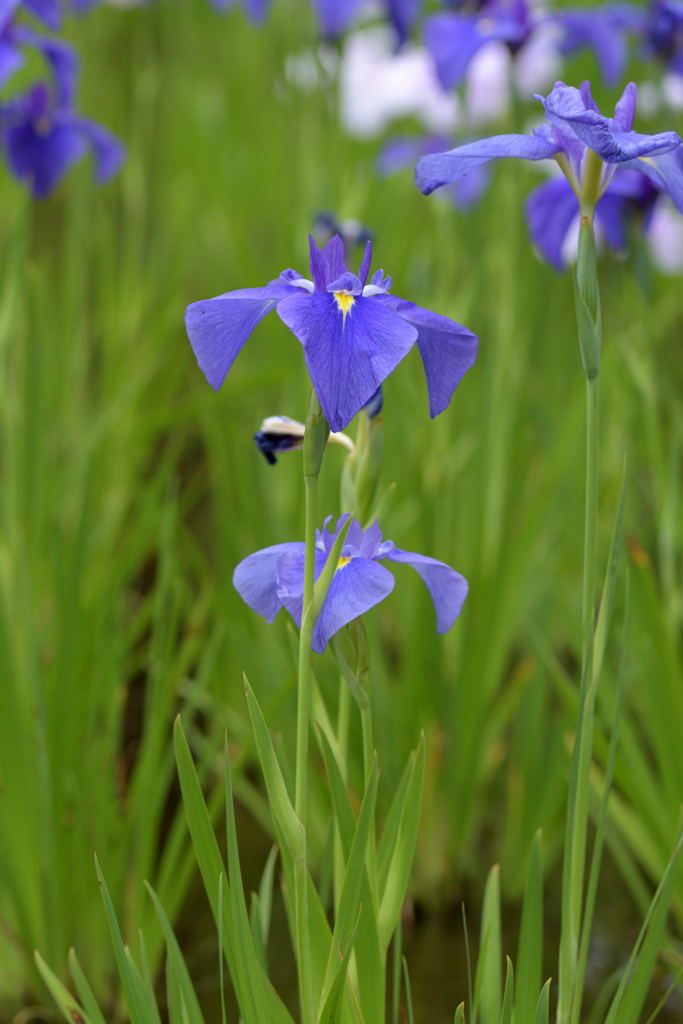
<point x="273" y="578"/>
<point x="43" y="136"/>
<point x="552" y="212"/>
<point x="47" y="11"/>
<point x="573" y="125"/>
<point x="404" y="151"/>
<point x="663" y="33"/>
<point x="353" y="333"/>
<point x="454" y="38"/>
<point x="604" y="30"/>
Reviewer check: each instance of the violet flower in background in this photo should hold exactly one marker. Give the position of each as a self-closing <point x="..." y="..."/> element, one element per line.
<point x="273" y="578"/>
<point x="455" y="38"/>
<point x="604" y="30"/>
<point x="402" y="152"/>
<point x="573" y="126"/>
<point x="552" y="212"/>
<point x="43" y="137"/>
<point x="353" y="333"/>
<point x="663" y="33"/>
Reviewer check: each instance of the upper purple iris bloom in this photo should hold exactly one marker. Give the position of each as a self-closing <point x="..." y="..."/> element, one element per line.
<point x="573" y="126"/>
<point x="353" y="333"/>
<point x="274" y="578"/>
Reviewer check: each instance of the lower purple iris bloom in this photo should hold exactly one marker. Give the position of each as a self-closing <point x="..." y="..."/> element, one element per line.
<point x="552" y="211"/>
<point x="353" y="333"/>
<point x="273" y="578"/>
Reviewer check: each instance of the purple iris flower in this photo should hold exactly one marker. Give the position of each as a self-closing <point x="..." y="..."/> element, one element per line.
<point x="404" y="151"/>
<point x="274" y="578"/>
<point x="15" y="38"/>
<point x="403" y="15"/>
<point x="663" y="33"/>
<point x="604" y="30"/>
<point x="43" y="136"/>
<point x="552" y="210"/>
<point x="454" y="38"/>
<point x="353" y="333"/>
<point x="47" y="11"/>
<point x="573" y="126"/>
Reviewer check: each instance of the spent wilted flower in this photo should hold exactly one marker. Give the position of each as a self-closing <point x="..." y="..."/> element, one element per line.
<point x="353" y="333"/>
<point x="273" y="578"/>
<point x="282" y="434"/>
<point x="574" y="128"/>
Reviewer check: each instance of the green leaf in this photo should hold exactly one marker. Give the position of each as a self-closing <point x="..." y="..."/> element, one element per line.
<point x="85" y="992"/>
<point x="530" y="946"/>
<point x="142" y="1010"/>
<point x="508" y="994"/>
<point x="333" y="1004"/>
<point x="543" y="1005"/>
<point x="487" y="986"/>
<point x="290" y="830"/>
<point x="400" y="864"/>
<point x="354" y="876"/>
<point x="459" y="1014"/>
<point x="72" y="1011"/>
<point x="176" y="963"/>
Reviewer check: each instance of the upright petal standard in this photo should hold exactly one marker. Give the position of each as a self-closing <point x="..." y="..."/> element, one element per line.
<point x="353" y="332"/>
<point x="274" y="578"/>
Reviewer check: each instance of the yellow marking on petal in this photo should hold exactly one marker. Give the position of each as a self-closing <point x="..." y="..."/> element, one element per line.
<point x="342" y="562"/>
<point x="647" y="160"/>
<point x="344" y="302"/>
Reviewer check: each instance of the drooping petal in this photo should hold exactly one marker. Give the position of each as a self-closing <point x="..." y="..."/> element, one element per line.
<point x="356" y="587"/>
<point x="447" y="588"/>
<point x="62" y="59"/>
<point x="108" y="151"/>
<point x="550" y="211"/>
<point x="219" y="327"/>
<point x="348" y="352"/>
<point x="665" y="170"/>
<point x="256" y="581"/>
<point x="448" y="349"/>
<point x="439" y="168"/>
<point x="290" y="579"/>
<point x="611" y="212"/>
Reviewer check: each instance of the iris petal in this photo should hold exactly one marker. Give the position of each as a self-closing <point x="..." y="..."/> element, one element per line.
<point x="448" y="349"/>
<point x="550" y="211"/>
<point x="219" y="327"/>
<point x="355" y="588"/>
<point x="447" y="588"/>
<point x="256" y="580"/>
<point x="439" y="168"/>
<point x="348" y="355"/>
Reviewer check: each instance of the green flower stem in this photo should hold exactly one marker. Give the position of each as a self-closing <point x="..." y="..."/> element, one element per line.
<point x="590" y="336"/>
<point x="315" y="439"/>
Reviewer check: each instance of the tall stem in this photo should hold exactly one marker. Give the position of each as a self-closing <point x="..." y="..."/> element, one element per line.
<point x="315" y="438"/>
<point x="590" y="336"/>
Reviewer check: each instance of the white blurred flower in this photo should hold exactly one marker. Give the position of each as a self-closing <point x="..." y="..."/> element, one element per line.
<point x="538" y="63"/>
<point x="487" y="84"/>
<point x="378" y="85"/>
<point x="665" y="237"/>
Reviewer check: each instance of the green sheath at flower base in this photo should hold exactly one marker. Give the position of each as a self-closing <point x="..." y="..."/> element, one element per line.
<point x="587" y="297"/>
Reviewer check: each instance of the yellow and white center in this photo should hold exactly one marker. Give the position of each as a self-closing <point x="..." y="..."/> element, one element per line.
<point x="344" y="303"/>
<point x="342" y="562"/>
